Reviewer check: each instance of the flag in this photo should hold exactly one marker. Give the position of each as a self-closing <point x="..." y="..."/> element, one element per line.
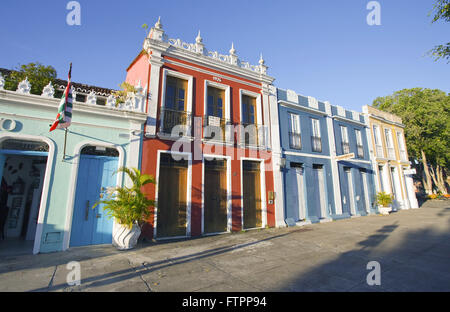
<point x="64" y="117"/>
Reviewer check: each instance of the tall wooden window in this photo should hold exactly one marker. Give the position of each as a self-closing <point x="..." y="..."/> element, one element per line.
<point x="216" y="100"/>
<point x="248" y="109"/>
<point x="174" y="111"/>
<point x="175" y="93"/>
<point x="249" y="120"/>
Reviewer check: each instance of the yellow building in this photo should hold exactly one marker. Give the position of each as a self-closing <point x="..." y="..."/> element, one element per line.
<point x="389" y="157"/>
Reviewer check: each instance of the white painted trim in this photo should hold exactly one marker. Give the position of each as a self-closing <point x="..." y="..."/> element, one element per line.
<point x="263" y="191"/>
<point x="302" y="108"/>
<point x="251" y="76"/>
<point x="188" y="193"/>
<point x="74" y="179"/>
<point x="46" y="182"/>
<point x="229" y="202"/>
<point x="306" y="155"/>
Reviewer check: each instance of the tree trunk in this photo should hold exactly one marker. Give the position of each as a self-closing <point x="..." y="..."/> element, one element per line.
<point x="441" y="181"/>
<point x="427" y="182"/>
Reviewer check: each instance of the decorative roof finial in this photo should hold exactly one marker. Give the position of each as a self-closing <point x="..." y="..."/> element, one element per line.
<point x="261" y="60"/>
<point x="158" y="24"/>
<point x="199" y="38"/>
<point x="232" y="50"/>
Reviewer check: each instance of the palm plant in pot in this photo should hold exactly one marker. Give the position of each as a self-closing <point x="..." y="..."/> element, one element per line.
<point x="384" y="202"/>
<point x="129" y="207"/>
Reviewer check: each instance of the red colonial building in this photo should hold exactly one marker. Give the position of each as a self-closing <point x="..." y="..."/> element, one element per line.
<point x="207" y="138"/>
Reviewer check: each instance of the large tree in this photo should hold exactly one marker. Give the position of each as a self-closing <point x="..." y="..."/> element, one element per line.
<point x="38" y="75"/>
<point x="441" y="12"/>
<point x="426" y="115"/>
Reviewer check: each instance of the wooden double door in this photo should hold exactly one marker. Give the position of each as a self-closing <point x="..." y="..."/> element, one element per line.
<point x="215" y="196"/>
<point x="172" y="197"/>
<point x="251" y="180"/>
<point x="92" y="226"/>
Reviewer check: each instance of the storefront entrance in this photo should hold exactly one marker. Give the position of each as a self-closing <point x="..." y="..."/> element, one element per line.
<point x="22" y="172"/>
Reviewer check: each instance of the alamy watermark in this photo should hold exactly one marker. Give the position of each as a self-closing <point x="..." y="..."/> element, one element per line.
<point x="374" y="16"/>
<point x="74" y="16"/>
<point x="73" y="278"/>
<point x="374" y="276"/>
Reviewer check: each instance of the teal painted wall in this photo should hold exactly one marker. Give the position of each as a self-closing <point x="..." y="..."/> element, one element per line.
<point x="35" y="120"/>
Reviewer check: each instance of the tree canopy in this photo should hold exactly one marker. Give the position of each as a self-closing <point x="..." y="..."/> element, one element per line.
<point x="38" y="75"/>
<point x="441" y="12"/>
<point x="426" y="115"/>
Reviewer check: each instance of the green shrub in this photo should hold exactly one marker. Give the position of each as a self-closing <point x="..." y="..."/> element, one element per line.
<point x="129" y="205"/>
<point x="384" y="199"/>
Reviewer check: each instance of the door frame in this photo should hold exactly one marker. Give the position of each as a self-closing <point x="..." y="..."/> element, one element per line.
<point x="188" y="194"/>
<point x="262" y="173"/>
<point x="229" y="219"/>
<point x="46" y="183"/>
<point x="74" y="178"/>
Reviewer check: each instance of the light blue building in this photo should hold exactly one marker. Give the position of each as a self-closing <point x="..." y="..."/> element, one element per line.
<point x="356" y="177"/>
<point x="322" y="180"/>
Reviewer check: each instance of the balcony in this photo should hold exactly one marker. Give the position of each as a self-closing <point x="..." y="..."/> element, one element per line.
<point x="295" y="140"/>
<point x="316" y="143"/>
<point x="345" y="148"/>
<point x="391" y="152"/>
<point x="359" y="151"/>
<point x="251" y="135"/>
<point x="175" y="123"/>
<point x="403" y="155"/>
<point x="379" y="151"/>
<point x="217" y="129"/>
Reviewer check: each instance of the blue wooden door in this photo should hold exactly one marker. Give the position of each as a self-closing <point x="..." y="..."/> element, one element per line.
<point x="92" y="226"/>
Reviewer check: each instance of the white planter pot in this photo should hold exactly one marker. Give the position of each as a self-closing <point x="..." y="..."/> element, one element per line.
<point x="124" y="238"/>
<point x="384" y="210"/>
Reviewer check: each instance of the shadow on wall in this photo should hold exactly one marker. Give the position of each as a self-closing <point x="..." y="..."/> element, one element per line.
<point x="418" y="261"/>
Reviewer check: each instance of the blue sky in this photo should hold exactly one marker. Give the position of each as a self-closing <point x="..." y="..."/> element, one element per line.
<point x="321" y="48"/>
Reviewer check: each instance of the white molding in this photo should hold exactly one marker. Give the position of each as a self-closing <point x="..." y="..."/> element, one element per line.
<point x="188" y="193"/>
<point x="45" y="188"/>
<point x="306" y="155"/>
<point x="302" y="108"/>
<point x="74" y="179"/>
<point x="52" y="105"/>
<point x="215" y="74"/>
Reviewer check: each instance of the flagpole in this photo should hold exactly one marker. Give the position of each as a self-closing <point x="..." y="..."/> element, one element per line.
<point x="65" y="141"/>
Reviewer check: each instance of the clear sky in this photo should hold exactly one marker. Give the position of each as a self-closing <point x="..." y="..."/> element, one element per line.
<point x="321" y="48"/>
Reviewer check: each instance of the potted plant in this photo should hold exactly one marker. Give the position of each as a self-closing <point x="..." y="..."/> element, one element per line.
<point x="384" y="202"/>
<point x="129" y="207"/>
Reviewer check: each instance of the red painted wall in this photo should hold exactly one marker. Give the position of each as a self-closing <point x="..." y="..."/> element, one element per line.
<point x="140" y="69"/>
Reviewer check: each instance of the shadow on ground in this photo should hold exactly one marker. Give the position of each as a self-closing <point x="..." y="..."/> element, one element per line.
<point x="417" y="261"/>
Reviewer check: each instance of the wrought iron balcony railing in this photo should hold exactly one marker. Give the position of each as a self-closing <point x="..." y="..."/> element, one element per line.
<point x="295" y="140"/>
<point x="359" y="151"/>
<point x="391" y="152"/>
<point x="316" y="143"/>
<point x="251" y="135"/>
<point x="345" y="148"/>
<point x="176" y="123"/>
<point x="217" y="129"/>
<point x="380" y="152"/>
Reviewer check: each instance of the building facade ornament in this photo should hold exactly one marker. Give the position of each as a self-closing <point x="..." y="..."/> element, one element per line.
<point x="2" y="82"/>
<point x="91" y="98"/>
<point x="48" y="91"/>
<point x="24" y="86"/>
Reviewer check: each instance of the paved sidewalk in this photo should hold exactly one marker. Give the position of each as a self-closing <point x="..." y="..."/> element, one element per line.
<point x="412" y="247"/>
